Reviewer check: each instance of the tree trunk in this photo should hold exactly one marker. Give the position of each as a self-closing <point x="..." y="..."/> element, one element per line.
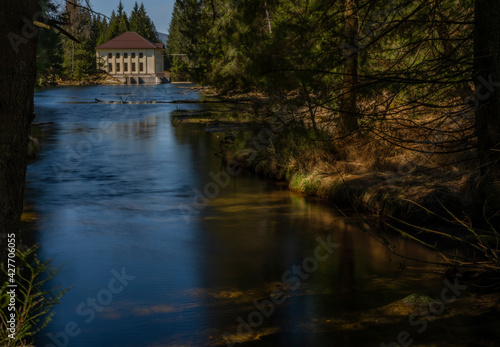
<point x="18" y="43"/>
<point x="487" y="83"/>
<point x="268" y="18"/>
<point x="348" y="103"/>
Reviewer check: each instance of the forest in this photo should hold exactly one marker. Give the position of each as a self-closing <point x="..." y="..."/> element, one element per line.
<point x="390" y="106"/>
<point x="412" y="83"/>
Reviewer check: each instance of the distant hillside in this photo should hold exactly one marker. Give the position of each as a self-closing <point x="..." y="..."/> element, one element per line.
<point x="163" y="37"/>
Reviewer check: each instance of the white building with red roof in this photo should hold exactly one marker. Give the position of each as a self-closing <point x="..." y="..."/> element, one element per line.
<point x="132" y="59"/>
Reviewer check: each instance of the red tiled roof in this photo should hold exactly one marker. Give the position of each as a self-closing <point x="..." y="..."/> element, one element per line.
<point x="130" y="40"/>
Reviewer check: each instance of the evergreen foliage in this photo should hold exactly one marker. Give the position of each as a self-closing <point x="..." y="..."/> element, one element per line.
<point x="339" y="56"/>
<point x="78" y="58"/>
<point x="142" y="24"/>
<point x="34" y="301"/>
<point x="49" y="51"/>
<point x="401" y="73"/>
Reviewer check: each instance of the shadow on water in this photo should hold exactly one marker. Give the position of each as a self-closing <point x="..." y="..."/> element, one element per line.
<point x="117" y="201"/>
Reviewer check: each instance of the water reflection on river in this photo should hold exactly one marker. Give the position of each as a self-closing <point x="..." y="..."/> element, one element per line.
<point x="106" y="191"/>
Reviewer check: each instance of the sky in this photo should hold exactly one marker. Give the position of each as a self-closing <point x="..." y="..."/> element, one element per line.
<point x="160" y="11"/>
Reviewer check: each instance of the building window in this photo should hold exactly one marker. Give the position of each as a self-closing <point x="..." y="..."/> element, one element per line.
<point x="141" y="67"/>
<point x="133" y="66"/>
<point x="117" y="67"/>
<point x="141" y="55"/>
<point x="110" y="67"/>
<point x="133" y="55"/>
<point x="125" y="55"/>
<point x="117" y="55"/>
<point x="125" y="67"/>
<point x="110" y="55"/>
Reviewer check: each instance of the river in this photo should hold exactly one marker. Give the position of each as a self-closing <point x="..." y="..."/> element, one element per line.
<point x="160" y="248"/>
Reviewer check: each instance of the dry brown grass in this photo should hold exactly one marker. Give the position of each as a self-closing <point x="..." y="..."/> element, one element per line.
<point x="383" y="168"/>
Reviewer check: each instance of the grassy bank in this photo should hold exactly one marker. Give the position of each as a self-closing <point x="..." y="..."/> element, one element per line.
<point x="359" y="171"/>
<point x="418" y="183"/>
<point x="429" y="198"/>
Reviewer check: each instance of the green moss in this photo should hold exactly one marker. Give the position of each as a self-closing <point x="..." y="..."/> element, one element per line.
<point x="418" y="300"/>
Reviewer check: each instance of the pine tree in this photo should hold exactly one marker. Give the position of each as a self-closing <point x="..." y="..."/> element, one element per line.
<point x="79" y="58"/>
<point x="118" y="23"/>
<point x="122" y="19"/>
<point x="112" y="31"/>
<point x="348" y="122"/>
<point x="145" y="26"/>
<point x="102" y="29"/>
<point x="139" y="22"/>
<point x="487" y="116"/>
<point x="175" y="47"/>
<point x="49" y="50"/>
<point x="134" y="18"/>
<point x="17" y="71"/>
<point x="188" y="45"/>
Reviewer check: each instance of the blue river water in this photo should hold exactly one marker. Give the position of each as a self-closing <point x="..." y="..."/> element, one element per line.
<point x="160" y="247"/>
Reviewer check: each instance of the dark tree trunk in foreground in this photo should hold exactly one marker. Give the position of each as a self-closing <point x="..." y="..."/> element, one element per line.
<point x="348" y="103"/>
<point x="487" y="82"/>
<point x="18" y="42"/>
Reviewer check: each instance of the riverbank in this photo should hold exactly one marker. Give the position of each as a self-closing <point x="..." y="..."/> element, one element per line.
<point x="360" y="171"/>
<point x="404" y="192"/>
<point x="422" y="192"/>
<point x="141" y="179"/>
<point x="100" y="79"/>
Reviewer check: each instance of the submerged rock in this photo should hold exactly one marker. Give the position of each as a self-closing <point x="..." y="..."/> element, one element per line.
<point x="33" y="147"/>
<point x="418" y="300"/>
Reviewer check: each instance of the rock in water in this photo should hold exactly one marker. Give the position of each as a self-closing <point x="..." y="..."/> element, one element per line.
<point x="33" y="147"/>
<point x="418" y="300"/>
<point x="413" y="303"/>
